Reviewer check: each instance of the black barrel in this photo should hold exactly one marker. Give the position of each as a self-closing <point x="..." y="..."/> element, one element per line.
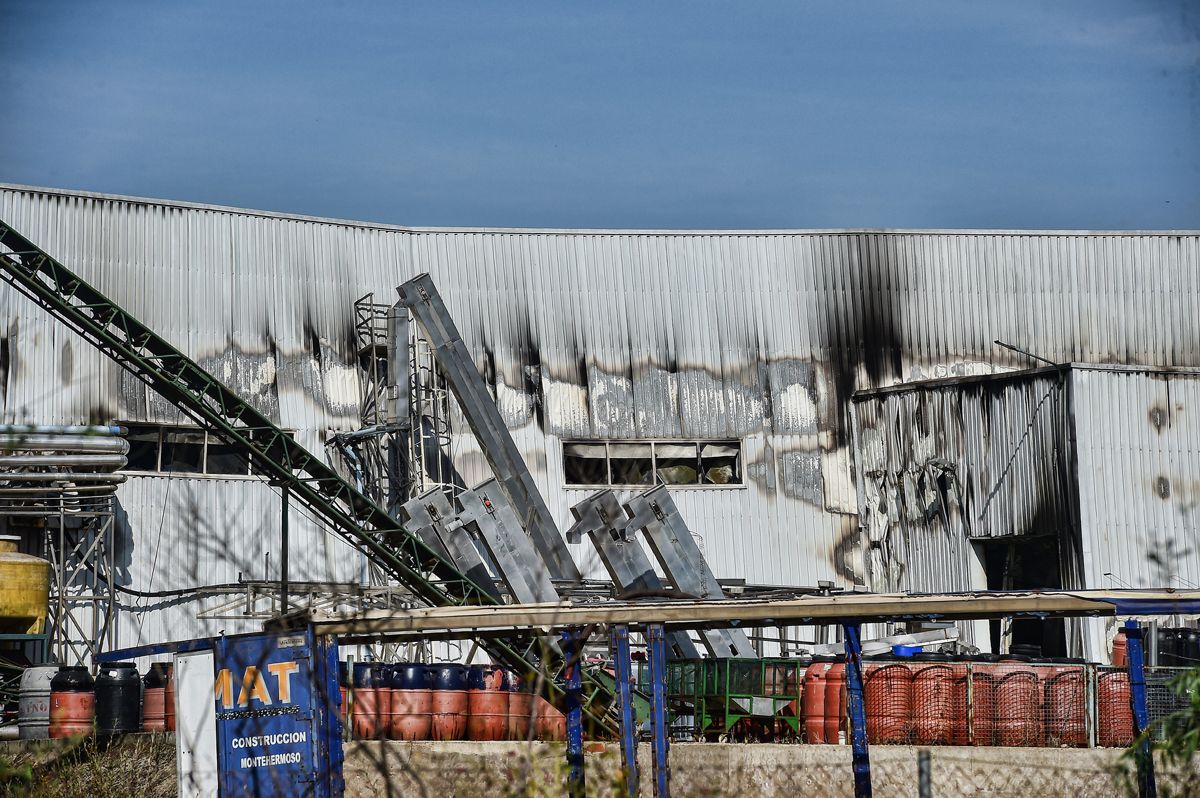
<point x="118" y="699"/>
<point x="1190" y="648"/>
<point x="1167" y="651"/>
<point x="1031" y="650"/>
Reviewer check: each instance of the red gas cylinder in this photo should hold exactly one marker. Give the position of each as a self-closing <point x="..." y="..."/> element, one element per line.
<point x="835" y="700"/>
<point x="154" y="698"/>
<point x="1120" y="657"/>
<point x="814" y="699"/>
<point x="72" y="702"/>
<point x="1065" y="704"/>
<point x="550" y="724"/>
<point x="411" y="715"/>
<point x="1114" y="709"/>
<point x="983" y="700"/>
<point x="888" y="697"/>
<point x="933" y="699"/>
<point x="1018" y="705"/>
<point x="450" y="706"/>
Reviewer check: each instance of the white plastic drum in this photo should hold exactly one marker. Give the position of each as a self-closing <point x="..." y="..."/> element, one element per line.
<point x="33" y="714"/>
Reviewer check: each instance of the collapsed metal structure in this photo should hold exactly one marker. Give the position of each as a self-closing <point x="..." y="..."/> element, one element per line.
<point x="500" y="531"/>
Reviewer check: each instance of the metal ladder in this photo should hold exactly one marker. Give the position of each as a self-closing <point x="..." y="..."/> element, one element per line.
<point x="272" y="453"/>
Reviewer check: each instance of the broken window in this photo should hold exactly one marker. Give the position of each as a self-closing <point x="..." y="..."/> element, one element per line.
<point x="631" y="463"/>
<point x="637" y="463"/>
<point x="585" y="463"/>
<point x="163" y="449"/>
<point x="183" y="450"/>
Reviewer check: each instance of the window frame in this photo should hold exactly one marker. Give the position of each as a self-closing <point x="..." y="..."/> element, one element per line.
<point x="654" y="443"/>
<point x="163" y="429"/>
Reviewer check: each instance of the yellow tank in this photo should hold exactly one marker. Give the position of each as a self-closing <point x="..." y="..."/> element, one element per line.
<point x="24" y="590"/>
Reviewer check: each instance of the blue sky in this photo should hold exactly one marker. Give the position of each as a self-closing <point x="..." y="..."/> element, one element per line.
<point x="729" y="115"/>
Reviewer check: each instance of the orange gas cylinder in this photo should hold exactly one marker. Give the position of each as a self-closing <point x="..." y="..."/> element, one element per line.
<point x="487" y="708"/>
<point x="1114" y="708"/>
<point x="370" y="716"/>
<point x="72" y="702"/>
<point x="933" y="699"/>
<point x="1065" y="704"/>
<point x="888" y="698"/>
<point x="154" y="698"/>
<point x="958" y="696"/>
<point x="835" y="700"/>
<point x="169" y="696"/>
<point x="983" y="700"/>
<point x="814" y="699"/>
<point x="411" y="715"/>
<point x="1120" y="656"/>
<point x="520" y="712"/>
<point x="550" y="725"/>
<point x="450" y="706"/>
<point x="1018" y="705"/>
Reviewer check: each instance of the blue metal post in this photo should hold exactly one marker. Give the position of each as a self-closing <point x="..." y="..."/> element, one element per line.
<point x="624" y="673"/>
<point x="1135" y="652"/>
<point x="573" y="650"/>
<point x="858" y="713"/>
<point x="661" y="746"/>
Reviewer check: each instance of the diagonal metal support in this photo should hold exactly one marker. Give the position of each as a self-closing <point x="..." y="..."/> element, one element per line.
<point x="486" y="512"/>
<point x="422" y="298"/>
<point x="427" y="515"/>
<point x="655" y="513"/>
<point x="600" y="517"/>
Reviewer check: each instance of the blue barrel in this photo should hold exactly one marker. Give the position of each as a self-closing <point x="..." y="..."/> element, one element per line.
<point x="368" y="674"/>
<point x="477" y="677"/>
<point x="449" y="677"/>
<point x="411" y="676"/>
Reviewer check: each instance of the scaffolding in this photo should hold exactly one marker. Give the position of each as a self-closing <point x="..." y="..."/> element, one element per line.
<point x="74" y="532"/>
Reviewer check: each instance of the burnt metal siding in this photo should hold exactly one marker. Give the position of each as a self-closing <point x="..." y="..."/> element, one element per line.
<point x="944" y="463"/>
<point x="761" y="336"/>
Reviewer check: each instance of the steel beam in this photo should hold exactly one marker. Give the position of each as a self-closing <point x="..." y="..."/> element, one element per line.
<point x="655" y="513"/>
<point x="600" y="516"/>
<point x="572" y="645"/>
<point x="858" y="712"/>
<point x="623" y="673"/>
<point x="1136" y="654"/>
<point x="660" y="746"/>
<point x="422" y="298"/>
<point x="485" y="511"/>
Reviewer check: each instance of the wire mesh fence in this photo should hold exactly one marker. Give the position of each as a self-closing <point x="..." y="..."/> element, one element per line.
<point x="934" y="700"/>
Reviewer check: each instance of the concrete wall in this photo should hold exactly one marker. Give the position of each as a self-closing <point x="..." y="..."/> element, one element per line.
<point x="498" y="770"/>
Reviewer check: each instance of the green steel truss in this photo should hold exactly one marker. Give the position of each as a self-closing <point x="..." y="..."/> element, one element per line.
<point x="273" y="454"/>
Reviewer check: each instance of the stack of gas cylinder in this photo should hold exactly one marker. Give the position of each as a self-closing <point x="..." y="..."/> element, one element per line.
<point x="944" y="699"/>
<point x="65" y="701"/>
<point x="413" y="701"/>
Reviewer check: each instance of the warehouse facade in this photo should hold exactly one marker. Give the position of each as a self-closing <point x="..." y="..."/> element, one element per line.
<point x="729" y="357"/>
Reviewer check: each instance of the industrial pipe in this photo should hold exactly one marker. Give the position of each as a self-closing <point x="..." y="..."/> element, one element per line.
<point x="43" y="460"/>
<point x="63" y="443"/>
<point x="59" y="429"/>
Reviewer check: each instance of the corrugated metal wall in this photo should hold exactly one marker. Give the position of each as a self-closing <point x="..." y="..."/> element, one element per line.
<point x="760" y="336"/>
<point x="1138" y="448"/>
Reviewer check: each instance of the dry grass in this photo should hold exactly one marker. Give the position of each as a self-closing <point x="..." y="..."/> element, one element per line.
<point x="137" y="766"/>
